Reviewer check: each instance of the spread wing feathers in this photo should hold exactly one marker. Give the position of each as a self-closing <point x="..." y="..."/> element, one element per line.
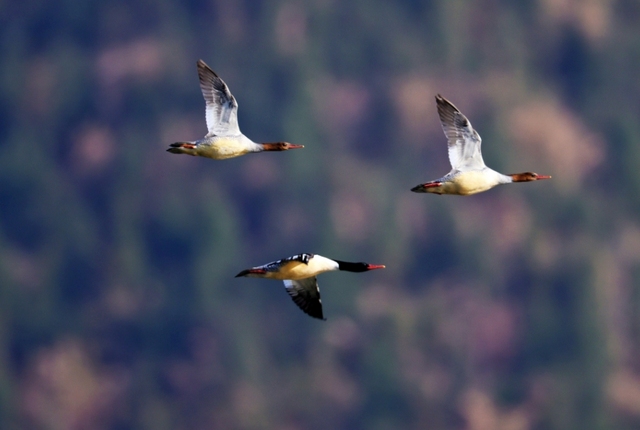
<point x="464" y="142"/>
<point x="222" y="108"/>
<point x="306" y="294"/>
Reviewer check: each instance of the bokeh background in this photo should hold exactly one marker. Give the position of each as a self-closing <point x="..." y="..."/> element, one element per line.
<point x="516" y="309"/>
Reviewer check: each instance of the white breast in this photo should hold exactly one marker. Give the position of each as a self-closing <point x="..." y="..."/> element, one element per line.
<point x="319" y="264"/>
<point x="221" y="147"/>
<point x="472" y="182"/>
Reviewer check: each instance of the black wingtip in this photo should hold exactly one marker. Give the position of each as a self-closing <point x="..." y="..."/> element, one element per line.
<point x="314" y="313"/>
<point x="201" y="65"/>
<point x="445" y="104"/>
<point x="442" y="101"/>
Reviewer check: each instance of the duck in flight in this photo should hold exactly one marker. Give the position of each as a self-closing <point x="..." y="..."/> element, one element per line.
<point x="224" y="139"/>
<point x="468" y="175"/>
<point x="299" y="276"/>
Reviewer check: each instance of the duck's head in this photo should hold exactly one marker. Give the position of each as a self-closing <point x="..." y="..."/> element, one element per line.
<point x="528" y="177"/>
<point x="280" y="146"/>
<point x="358" y="267"/>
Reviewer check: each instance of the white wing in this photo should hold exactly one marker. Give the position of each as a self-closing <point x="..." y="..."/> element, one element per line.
<point x="222" y="108"/>
<point x="306" y="294"/>
<point x="464" y="142"/>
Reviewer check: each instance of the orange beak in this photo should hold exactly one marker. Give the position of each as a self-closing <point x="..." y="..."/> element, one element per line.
<point x="543" y="177"/>
<point x="375" y="266"/>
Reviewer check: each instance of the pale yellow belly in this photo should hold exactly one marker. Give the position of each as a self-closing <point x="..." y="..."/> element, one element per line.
<point x="469" y="183"/>
<point x="222" y="148"/>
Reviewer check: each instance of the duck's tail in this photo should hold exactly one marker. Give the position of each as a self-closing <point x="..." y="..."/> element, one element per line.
<point x="188" y="148"/>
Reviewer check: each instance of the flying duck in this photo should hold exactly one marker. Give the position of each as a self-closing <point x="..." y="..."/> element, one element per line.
<point x="299" y="276"/>
<point x="224" y="139"/>
<point x="468" y="175"/>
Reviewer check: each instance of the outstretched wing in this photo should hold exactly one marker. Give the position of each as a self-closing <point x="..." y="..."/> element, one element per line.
<point x="306" y="294"/>
<point x="464" y="142"/>
<point x="222" y="108"/>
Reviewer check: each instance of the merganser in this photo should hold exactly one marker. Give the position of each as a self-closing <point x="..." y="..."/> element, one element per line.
<point x="224" y="139"/>
<point x="299" y="276"/>
<point x="469" y="175"/>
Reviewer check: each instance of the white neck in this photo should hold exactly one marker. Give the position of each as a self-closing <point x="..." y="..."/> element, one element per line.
<point x="253" y="146"/>
<point x="504" y="179"/>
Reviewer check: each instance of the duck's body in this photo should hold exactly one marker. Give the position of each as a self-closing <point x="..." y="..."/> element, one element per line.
<point x="299" y="275"/>
<point x="468" y="182"/>
<point x="224" y="139"/>
<point x="297" y="267"/>
<point x="217" y="147"/>
<point x="468" y="175"/>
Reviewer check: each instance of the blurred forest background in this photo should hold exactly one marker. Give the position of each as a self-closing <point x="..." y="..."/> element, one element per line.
<point x="516" y="309"/>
